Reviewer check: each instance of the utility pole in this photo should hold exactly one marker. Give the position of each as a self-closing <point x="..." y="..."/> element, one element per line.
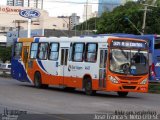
<point x="18" y="25"/>
<point x="68" y="24"/>
<point x="86" y="13"/>
<point x="145" y="15"/>
<point x="144" y="19"/>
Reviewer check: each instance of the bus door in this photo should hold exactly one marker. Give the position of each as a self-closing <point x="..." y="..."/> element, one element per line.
<point x="102" y="68"/>
<point x="156" y="56"/>
<point x="25" y="52"/>
<point x="63" y="63"/>
<point x="19" y="61"/>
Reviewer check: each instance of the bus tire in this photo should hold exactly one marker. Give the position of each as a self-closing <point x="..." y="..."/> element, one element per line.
<point x="38" y="81"/>
<point x="122" y="94"/>
<point x="88" y="87"/>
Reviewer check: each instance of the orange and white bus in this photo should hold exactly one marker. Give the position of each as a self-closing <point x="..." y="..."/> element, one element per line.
<point x="104" y="63"/>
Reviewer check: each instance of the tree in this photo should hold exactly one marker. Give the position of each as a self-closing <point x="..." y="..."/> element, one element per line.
<point x="5" y="54"/>
<point x="115" y="22"/>
<point x="91" y="24"/>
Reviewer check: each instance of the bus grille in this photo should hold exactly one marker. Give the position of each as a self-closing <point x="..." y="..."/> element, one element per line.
<point x="130" y="82"/>
<point x="128" y="78"/>
<point x="129" y="87"/>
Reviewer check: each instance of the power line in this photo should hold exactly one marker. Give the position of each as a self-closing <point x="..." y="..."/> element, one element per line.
<point x="70" y="2"/>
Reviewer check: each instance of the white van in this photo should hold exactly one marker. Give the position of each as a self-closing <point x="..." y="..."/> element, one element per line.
<point x="5" y="67"/>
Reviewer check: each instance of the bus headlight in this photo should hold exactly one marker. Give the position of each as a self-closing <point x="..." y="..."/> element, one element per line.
<point x="113" y="80"/>
<point x="144" y="81"/>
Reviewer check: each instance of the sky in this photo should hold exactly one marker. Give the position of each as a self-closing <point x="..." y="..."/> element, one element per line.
<point x="66" y="9"/>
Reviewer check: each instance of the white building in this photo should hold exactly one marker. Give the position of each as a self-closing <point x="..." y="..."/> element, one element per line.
<point x="26" y="3"/>
<point x="33" y="3"/>
<point x="87" y="14"/>
<point x="74" y="20"/>
<point x="10" y="19"/>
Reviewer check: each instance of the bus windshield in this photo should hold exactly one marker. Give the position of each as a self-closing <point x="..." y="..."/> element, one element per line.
<point x="130" y="62"/>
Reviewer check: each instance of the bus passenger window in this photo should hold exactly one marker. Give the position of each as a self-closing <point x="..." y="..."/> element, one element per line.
<point x="77" y="54"/>
<point x="34" y="50"/>
<point x="54" y="49"/>
<point x="91" y="52"/>
<point x="17" y="50"/>
<point x="157" y="43"/>
<point x="42" y="52"/>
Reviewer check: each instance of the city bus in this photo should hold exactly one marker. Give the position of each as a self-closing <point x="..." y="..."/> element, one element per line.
<point x="154" y="53"/>
<point x="104" y="63"/>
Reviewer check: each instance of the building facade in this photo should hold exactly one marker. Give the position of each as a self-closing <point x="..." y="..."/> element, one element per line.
<point x="109" y="5"/>
<point x="15" y="2"/>
<point x="10" y="20"/>
<point x="26" y="3"/>
<point x="87" y="13"/>
<point x="74" y="20"/>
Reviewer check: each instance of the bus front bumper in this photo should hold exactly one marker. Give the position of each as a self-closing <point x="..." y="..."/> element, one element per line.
<point x="127" y="88"/>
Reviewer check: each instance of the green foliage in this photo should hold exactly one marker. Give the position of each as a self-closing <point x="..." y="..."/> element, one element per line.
<point x="115" y="22"/>
<point x="5" y="53"/>
<point x="91" y="24"/>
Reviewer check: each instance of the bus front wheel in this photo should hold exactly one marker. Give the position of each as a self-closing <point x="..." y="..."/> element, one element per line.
<point x="38" y="81"/>
<point x="88" y="87"/>
<point x="122" y="94"/>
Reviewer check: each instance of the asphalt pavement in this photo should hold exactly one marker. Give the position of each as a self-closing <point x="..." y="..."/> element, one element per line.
<point x="56" y="103"/>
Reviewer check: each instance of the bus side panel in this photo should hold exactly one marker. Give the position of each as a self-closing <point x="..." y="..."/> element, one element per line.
<point x="157" y="64"/>
<point x="18" y="71"/>
<point x="50" y="79"/>
<point x="46" y="77"/>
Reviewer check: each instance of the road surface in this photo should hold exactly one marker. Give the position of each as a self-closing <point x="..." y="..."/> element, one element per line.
<point x="15" y="95"/>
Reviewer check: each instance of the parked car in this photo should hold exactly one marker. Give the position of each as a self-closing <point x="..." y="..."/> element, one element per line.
<point x="5" y="67"/>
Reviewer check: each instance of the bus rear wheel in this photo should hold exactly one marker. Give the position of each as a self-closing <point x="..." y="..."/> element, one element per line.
<point x="122" y="94"/>
<point x="88" y="87"/>
<point x="38" y="81"/>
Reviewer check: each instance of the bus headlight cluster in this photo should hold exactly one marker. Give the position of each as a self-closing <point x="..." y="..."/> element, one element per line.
<point x="113" y="80"/>
<point x="144" y="81"/>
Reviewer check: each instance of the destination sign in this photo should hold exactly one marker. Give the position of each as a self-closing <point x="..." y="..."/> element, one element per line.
<point x="128" y="44"/>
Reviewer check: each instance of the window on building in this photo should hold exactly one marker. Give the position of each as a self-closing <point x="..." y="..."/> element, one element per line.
<point x="17" y="49"/>
<point x="78" y="50"/>
<point x="54" y="51"/>
<point x="43" y="51"/>
<point x="63" y="24"/>
<point x="34" y="50"/>
<point x="91" y="52"/>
